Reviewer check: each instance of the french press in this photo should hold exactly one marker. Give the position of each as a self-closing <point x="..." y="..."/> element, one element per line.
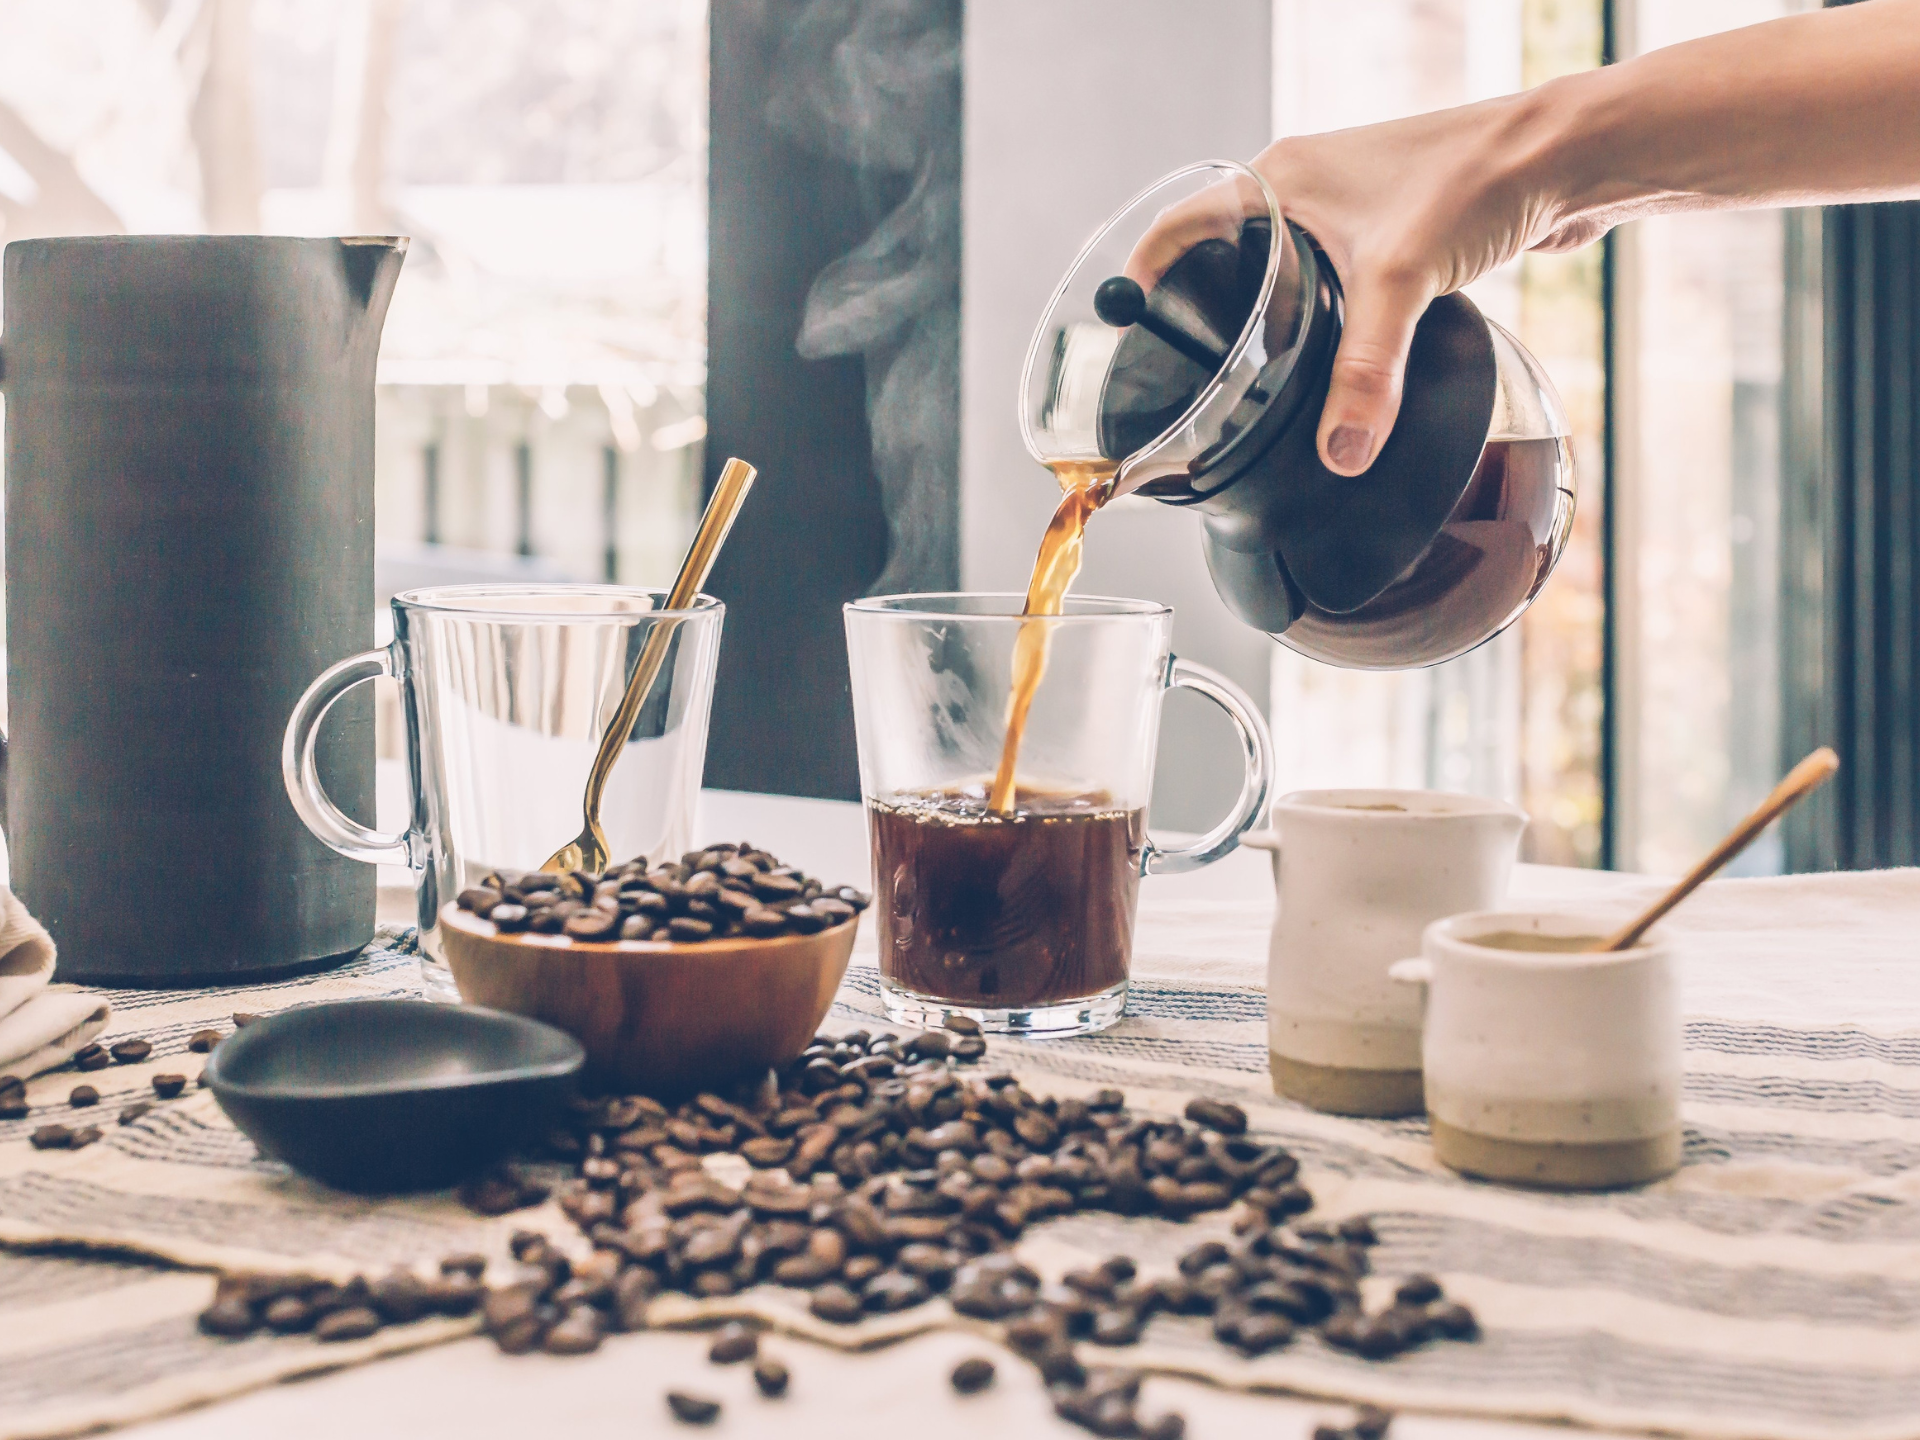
<point x="1192" y="342"/>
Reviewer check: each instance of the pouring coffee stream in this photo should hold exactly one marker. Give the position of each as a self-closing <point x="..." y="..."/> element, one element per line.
<point x="1086" y="487"/>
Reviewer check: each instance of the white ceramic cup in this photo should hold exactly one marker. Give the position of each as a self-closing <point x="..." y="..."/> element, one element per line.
<point x="1556" y="1067"/>
<point x="1360" y="873"/>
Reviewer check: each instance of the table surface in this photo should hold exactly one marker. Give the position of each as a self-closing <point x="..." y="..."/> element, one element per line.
<point x="468" y="1390"/>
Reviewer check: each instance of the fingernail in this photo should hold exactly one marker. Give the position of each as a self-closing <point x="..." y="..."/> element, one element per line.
<point x="1350" y="447"/>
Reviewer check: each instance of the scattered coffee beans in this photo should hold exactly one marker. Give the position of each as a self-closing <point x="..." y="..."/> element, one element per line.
<point x="13" y="1098"/>
<point x="203" y="1041"/>
<point x="971" y="1376"/>
<point x="241" y="1019"/>
<point x="728" y="890"/>
<point x="51" y="1137"/>
<point x="168" y="1087"/>
<point x="881" y="1171"/>
<point x="131" y="1052"/>
<point x="92" y="1057"/>
<point x="693" y="1409"/>
<point x="138" y="1110"/>
<point x="82" y="1096"/>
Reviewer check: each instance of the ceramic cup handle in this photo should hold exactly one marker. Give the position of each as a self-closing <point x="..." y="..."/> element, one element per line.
<point x="1418" y="971"/>
<point x="301" y="773"/>
<point x="1256" y="747"/>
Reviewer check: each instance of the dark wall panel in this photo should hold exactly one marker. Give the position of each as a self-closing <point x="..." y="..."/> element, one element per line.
<point x="833" y="234"/>
<point x="1852" y="536"/>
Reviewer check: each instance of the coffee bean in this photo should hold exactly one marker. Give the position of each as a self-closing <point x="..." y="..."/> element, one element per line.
<point x="138" y="1110"/>
<point x="592" y="924"/>
<point x="687" y="929"/>
<point x="1453" y="1320"/>
<point x="1331" y="1432"/>
<point x="771" y="888"/>
<point x="692" y="1409"/>
<point x="771" y="1377"/>
<point x="1217" y="1115"/>
<point x="288" y="1315"/>
<point x="831" y="910"/>
<point x="763" y="923"/>
<point x="242" y="1019"/>
<point x="1116" y="1327"/>
<point x="84" y="1137"/>
<point x="633" y="1292"/>
<point x="510" y="919"/>
<point x="203" y="1041"/>
<point x="168" y="1087"/>
<point x="51" y="1137"/>
<point x="12" y="1085"/>
<point x="356" y="1323"/>
<point x="1370" y="1422"/>
<point x="836" y="1304"/>
<point x="1358" y="1230"/>
<point x="91" y="1057"/>
<point x="1170" y="1426"/>
<point x="930" y="1045"/>
<point x="890" y="1291"/>
<point x="805" y="919"/>
<point x="479" y="900"/>
<point x="579" y="1332"/>
<point x="1417" y="1290"/>
<point x="972" y="1376"/>
<point x="228" y="1318"/>
<point x="733" y="1344"/>
<point x="1258" y="1333"/>
<point x="82" y="1096"/>
<point x="13" y="1105"/>
<point x="132" y="1052"/>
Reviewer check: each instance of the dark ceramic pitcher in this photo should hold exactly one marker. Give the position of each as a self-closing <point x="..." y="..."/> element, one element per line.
<point x="189" y="537"/>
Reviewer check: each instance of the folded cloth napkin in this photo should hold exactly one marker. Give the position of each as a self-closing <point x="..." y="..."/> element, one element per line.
<point x="41" y="1024"/>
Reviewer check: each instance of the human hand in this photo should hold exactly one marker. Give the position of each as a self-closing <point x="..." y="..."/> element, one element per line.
<point x="1407" y="211"/>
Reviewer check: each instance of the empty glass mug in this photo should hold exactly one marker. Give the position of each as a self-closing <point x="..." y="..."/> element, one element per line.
<point x="507" y="690"/>
<point x="1021" y="918"/>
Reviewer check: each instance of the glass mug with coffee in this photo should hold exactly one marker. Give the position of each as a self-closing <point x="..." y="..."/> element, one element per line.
<point x="1012" y="903"/>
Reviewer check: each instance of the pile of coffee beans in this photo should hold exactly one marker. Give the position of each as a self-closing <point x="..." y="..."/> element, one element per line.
<point x="710" y="894"/>
<point x="879" y="1174"/>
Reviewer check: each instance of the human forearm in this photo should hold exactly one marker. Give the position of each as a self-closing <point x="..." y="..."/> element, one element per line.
<point x="1822" y="108"/>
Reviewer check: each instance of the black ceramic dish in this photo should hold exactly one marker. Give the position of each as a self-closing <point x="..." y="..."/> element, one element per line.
<point x="389" y="1095"/>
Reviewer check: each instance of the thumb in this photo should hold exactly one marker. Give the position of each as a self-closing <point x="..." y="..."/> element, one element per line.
<point x="1363" y="399"/>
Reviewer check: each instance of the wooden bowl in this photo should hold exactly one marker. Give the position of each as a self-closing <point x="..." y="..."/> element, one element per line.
<point x="661" y="1018"/>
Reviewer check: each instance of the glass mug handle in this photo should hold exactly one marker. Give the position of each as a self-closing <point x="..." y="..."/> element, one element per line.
<point x="1256" y="749"/>
<point x="300" y="770"/>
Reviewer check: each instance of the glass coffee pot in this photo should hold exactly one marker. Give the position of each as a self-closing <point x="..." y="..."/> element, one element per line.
<point x="1192" y="342"/>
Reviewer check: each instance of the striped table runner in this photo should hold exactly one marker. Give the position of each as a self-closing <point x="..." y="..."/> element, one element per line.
<point x="1771" y="1289"/>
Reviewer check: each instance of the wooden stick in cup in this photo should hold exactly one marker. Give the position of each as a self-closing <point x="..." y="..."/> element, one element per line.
<point x="1806" y="777"/>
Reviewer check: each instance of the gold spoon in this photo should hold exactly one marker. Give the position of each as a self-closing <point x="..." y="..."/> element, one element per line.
<point x="1805" y="778"/>
<point x="588" y="850"/>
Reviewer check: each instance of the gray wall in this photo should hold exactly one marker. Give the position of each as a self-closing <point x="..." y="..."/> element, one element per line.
<point x="1051" y="151"/>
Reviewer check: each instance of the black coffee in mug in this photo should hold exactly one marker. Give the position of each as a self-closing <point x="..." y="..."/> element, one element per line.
<point x="1005" y="911"/>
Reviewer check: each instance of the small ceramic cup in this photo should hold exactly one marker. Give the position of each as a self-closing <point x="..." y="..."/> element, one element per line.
<point x="1548" y="1063"/>
<point x="1360" y="874"/>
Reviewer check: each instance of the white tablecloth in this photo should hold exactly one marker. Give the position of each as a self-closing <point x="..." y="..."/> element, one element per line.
<point x="466" y="1390"/>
